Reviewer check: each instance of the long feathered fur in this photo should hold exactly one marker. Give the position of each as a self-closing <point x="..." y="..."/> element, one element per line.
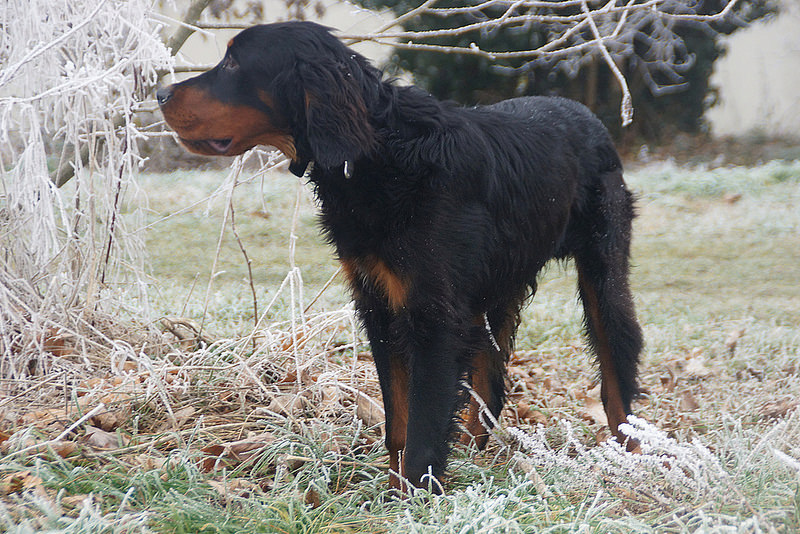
<point x="442" y="217"/>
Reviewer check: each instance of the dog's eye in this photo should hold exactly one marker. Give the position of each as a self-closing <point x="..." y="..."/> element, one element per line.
<point x="229" y="64"/>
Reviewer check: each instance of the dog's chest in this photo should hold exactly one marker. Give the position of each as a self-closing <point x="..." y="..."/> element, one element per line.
<point x="367" y="213"/>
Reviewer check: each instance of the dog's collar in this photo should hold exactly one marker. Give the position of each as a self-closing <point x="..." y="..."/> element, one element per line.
<point x="299" y="167"/>
<point x="303" y="167"/>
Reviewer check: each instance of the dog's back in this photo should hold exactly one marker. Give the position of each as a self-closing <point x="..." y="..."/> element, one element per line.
<point x="566" y="126"/>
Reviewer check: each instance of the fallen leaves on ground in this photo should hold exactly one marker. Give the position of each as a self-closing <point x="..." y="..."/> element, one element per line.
<point x="19" y="482"/>
<point x="235" y="452"/>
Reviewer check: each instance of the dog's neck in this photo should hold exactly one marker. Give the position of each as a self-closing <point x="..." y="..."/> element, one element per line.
<point x="394" y="112"/>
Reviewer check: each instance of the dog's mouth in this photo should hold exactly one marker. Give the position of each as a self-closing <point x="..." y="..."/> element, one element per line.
<point x="220" y="145"/>
<point x="209" y="146"/>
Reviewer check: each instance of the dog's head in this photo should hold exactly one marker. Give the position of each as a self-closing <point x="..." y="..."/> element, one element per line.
<point x="290" y="85"/>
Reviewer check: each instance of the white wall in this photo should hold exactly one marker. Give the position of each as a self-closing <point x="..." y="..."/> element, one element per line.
<point x="207" y="48"/>
<point x="759" y="78"/>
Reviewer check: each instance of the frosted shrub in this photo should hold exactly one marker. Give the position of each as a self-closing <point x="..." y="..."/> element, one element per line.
<point x="74" y="73"/>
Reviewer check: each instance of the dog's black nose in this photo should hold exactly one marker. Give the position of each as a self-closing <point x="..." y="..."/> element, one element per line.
<point x="164" y="94"/>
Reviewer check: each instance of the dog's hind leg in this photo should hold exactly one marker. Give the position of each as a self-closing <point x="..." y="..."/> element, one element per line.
<point x="495" y="332"/>
<point x="602" y="256"/>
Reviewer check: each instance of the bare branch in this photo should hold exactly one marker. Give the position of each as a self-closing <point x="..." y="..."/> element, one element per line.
<point x="576" y="31"/>
<point x="247" y="259"/>
<point x="626" y="110"/>
<point x="222" y="25"/>
<point x="196" y="8"/>
<point x="192" y="68"/>
<point x="425" y="6"/>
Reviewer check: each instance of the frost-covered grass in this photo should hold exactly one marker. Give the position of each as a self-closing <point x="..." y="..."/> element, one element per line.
<point x="716" y="282"/>
<point x="732" y="480"/>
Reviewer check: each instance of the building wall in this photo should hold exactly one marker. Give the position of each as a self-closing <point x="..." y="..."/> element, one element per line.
<point x="759" y="78"/>
<point x="207" y="48"/>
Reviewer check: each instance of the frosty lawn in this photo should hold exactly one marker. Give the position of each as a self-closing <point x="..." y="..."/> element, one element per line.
<point x="226" y="437"/>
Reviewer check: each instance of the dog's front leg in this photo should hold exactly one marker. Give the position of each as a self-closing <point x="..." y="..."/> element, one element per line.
<point x="432" y="400"/>
<point x="391" y="362"/>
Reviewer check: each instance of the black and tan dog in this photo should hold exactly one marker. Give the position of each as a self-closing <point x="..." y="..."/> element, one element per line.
<point x="441" y="216"/>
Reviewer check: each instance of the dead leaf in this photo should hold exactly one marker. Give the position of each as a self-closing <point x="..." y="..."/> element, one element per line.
<point x="118" y="391"/>
<point x="289" y="405"/>
<point x="98" y="438"/>
<point x="61" y="448"/>
<point x="517" y="372"/>
<point x="594" y="411"/>
<point x="57" y="343"/>
<point x="553" y="384"/>
<point x="369" y="410"/>
<point x="331" y="399"/>
<point x="43" y="418"/>
<point x="751" y="371"/>
<point x="686" y="421"/>
<point x="293" y="342"/>
<point x="75" y="501"/>
<point x="537" y="417"/>
<point x="530" y="471"/>
<point x="188" y="331"/>
<point x="312" y="498"/>
<point x="293" y="463"/>
<point x="183" y="415"/>
<point x="778" y="409"/>
<point x="237" y="487"/>
<point x="337" y="444"/>
<point x="688" y="402"/>
<point x="731" y="198"/>
<point x="64" y="448"/>
<point x="670" y="379"/>
<point x="602" y="435"/>
<point x="19" y="482"/>
<point x="525" y="412"/>
<point x="215" y="455"/>
<point x="150" y="462"/>
<point x="235" y="452"/>
<point x="256" y="441"/>
<point x="733" y="339"/>
<point x="695" y="366"/>
<point x="110" y="421"/>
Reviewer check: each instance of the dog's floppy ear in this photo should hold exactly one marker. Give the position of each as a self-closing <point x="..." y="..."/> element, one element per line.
<point x="337" y="124"/>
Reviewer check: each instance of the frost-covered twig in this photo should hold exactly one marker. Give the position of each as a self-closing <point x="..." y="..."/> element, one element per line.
<point x="67" y="431"/>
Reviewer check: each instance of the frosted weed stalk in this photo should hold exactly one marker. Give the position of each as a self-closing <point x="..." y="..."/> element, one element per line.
<point x="665" y="473"/>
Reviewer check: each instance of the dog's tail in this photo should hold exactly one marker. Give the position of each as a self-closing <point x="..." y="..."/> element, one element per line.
<point x="602" y="260"/>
